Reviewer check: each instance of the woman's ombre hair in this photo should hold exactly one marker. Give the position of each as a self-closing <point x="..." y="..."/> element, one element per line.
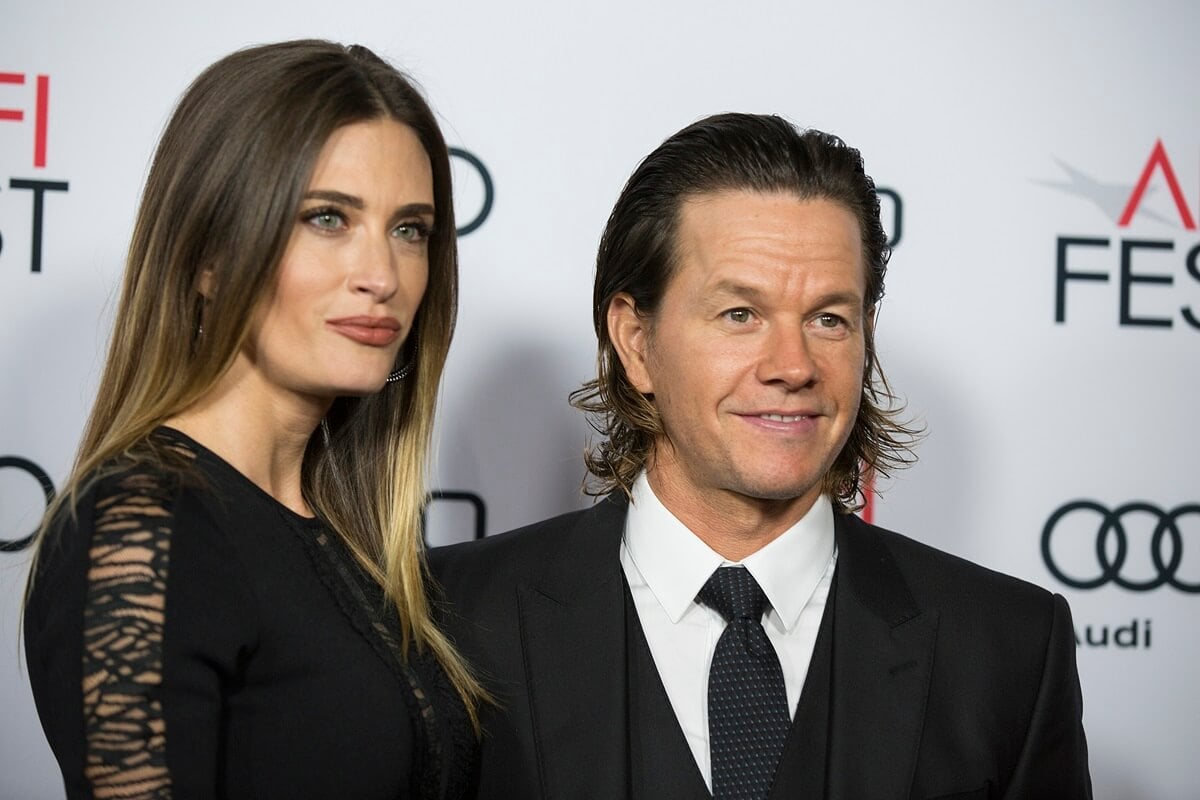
<point x="221" y="201"/>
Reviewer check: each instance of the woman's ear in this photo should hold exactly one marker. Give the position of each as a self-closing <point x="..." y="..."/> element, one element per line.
<point x="206" y="284"/>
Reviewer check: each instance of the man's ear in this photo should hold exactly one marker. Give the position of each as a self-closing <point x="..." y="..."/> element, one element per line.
<point x="629" y="331"/>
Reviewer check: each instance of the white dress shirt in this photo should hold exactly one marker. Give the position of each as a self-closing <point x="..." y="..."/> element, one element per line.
<point x="666" y="565"/>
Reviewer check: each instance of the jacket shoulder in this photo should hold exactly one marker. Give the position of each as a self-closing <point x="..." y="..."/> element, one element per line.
<point x="504" y="549"/>
<point x="557" y="544"/>
<point x="936" y="577"/>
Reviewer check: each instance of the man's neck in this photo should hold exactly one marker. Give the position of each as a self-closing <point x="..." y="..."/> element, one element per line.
<point x="732" y="524"/>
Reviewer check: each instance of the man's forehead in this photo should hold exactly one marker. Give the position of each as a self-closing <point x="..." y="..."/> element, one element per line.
<point x="734" y="230"/>
<point x="725" y="210"/>
<point x="751" y="196"/>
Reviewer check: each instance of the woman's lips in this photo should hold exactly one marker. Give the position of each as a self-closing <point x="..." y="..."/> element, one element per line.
<point x="373" y="331"/>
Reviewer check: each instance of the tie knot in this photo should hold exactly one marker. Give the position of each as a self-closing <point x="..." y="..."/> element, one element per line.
<point x="734" y="594"/>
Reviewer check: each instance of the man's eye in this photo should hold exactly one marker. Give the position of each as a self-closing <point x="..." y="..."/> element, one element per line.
<point x="830" y="321"/>
<point x="411" y="231"/>
<point x="739" y="315"/>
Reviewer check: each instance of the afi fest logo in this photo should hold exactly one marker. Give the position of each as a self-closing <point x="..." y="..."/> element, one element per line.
<point x="1142" y="266"/>
<point x="25" y="101"/>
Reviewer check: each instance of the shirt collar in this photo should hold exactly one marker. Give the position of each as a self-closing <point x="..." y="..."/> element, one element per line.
<point x="675" y="563"/>
<point x="789" y="568"/>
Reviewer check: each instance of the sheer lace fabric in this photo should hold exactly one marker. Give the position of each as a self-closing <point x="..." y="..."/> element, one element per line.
<point x="188" y="636"/>
<point x="124" y="615"/>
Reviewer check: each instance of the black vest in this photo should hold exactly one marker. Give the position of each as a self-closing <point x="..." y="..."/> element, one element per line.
<point x="660" y="761"/>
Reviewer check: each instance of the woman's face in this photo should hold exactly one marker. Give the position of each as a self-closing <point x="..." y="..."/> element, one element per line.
<point x="355" y="268"/>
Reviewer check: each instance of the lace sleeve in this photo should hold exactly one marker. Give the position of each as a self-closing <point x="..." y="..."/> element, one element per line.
<point x="124" y="615"/>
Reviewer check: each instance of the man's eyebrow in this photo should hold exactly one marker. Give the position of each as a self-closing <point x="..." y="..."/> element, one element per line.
<point x="341" y="198"/>
<point x="839" y="298"/>
<point x="728" y="287"/>
<point x="751" y="294"/>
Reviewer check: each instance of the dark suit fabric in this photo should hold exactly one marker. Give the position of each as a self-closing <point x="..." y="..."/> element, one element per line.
<point x="661" y="763"/>
<point x="947" y="680"/>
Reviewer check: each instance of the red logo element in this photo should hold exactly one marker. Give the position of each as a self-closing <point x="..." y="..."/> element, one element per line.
<point x="41" y="112"/>
<point x="868" y="509"/>
<point x="1158" y="158"/>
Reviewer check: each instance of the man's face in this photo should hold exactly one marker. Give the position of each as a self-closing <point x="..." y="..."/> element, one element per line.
<point x="755" y="356"/>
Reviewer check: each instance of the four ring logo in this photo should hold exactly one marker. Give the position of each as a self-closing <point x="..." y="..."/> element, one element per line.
<point x="489" y="190"/>
<point x="39" y="474"/>
<point x="472" y="501"/>
<point x="1112" y="544"/>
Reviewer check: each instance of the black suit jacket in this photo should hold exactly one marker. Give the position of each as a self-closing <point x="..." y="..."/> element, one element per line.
<point x="949" y="680"/>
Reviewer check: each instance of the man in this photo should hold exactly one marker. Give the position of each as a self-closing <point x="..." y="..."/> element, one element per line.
<point x="721" y="622"/>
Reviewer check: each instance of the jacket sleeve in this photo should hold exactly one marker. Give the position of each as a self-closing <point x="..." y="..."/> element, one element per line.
<point x="1053" y="763"/>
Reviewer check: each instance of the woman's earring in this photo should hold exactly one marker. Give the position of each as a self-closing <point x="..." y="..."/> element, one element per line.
<point x="401" y="373"/>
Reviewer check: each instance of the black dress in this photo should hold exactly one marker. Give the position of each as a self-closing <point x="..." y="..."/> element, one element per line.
<point x="187" y="636"/>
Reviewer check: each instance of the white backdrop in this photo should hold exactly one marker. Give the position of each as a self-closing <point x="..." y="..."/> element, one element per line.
<point x="1004" y="128"/>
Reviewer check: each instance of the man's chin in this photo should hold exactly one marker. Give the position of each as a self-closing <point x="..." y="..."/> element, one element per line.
<point x="780" y="491"/>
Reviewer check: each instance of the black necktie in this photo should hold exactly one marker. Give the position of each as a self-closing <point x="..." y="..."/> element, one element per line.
<point x="748" y="716"/>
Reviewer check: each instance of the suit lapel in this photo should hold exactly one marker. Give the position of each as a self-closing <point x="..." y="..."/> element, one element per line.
<point x="801" y="770"/>
<point x="882" y="662"/>
<point x="573" y="640"/>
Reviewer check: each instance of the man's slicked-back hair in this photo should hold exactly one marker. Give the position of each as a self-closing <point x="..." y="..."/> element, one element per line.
<point x="638" y="256"/>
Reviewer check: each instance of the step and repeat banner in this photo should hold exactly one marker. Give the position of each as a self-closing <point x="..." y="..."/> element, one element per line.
<point x="1039" y="168"/>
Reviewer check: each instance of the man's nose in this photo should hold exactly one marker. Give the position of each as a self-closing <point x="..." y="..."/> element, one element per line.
<point x="786" y="359"/>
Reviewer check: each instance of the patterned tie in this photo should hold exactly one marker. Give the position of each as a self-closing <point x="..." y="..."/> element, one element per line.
<point x="748" y="716"/>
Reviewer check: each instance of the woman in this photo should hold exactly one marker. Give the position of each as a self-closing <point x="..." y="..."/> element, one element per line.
<point x="228" y="599"/>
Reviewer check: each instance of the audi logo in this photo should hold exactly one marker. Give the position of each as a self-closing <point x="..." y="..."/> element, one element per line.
<point x="47" y="486"/>
<point x="1112" y="545"/>
<point x="478" y="509"/>
<point x="489" y="190"/>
